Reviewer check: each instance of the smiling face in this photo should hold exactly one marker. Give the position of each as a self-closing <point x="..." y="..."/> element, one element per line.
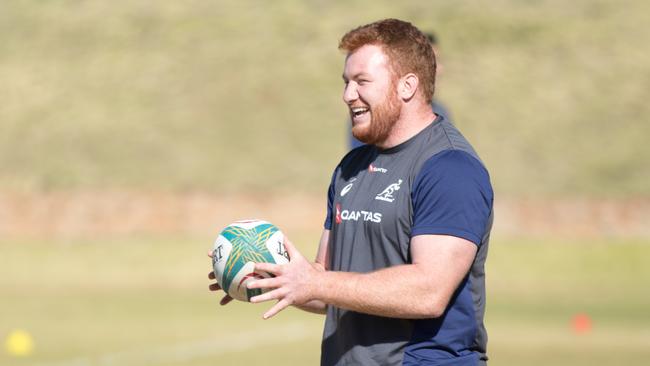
<point x="371" y="94"/>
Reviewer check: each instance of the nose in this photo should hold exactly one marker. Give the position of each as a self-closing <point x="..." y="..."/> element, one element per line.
<point x="350" y="93"/>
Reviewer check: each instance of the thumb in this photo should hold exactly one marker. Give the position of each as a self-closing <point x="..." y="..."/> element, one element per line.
<point x="291" y="249"/>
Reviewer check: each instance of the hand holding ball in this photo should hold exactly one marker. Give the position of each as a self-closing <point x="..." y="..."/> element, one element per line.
<point x="238" y="247"/>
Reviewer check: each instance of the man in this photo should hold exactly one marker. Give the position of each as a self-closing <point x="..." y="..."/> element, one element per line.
<point x="438" y="108"/>
<point x="400" y="266"/>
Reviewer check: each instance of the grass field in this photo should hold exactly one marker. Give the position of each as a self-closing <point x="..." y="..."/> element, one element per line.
<point x="128" y="94"/>
<point x="145" y="302"/>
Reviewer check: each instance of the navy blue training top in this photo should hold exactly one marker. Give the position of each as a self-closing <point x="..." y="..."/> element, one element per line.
<point x="434" y="183"/>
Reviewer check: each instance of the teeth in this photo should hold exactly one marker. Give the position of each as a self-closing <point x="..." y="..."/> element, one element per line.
<point x="358" y="110"/>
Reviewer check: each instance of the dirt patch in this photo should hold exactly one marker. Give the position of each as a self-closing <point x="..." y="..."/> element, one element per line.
<point x="128" y="213"/>
<point x="574" y="217"/>
<point x="119" y="213"/>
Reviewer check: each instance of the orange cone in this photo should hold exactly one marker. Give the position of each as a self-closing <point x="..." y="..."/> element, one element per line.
<point x="581" y="323"/>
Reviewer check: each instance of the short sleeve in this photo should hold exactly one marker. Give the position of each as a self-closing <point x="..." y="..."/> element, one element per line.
<point x="452" y="195"/>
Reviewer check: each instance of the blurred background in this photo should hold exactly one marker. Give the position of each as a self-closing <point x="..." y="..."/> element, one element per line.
<point x="131" y="132"/>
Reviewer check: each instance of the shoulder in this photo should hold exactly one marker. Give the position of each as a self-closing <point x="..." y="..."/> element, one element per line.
<point x="441" y="142"/>
<point x="356" y="153"/>
<point x="355" y="160"/>
<point x="456" y="168"/>
<point x="452" y="176"/>
<point x="453" y="163"/>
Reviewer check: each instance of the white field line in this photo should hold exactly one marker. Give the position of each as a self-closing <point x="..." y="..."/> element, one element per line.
<point x="178" y="353"/>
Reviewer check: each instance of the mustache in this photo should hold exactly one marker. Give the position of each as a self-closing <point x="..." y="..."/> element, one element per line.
<point x="358" y="105"/>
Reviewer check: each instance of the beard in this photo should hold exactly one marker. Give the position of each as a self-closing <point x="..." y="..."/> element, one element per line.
<point x="382" y="120"/>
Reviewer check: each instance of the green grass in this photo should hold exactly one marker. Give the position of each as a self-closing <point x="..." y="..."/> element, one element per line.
<point x="145" y="301"/>
<point x="245" y="96"/>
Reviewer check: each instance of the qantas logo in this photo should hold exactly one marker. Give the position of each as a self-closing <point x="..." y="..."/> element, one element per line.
<point x="356" y="215"/>
<point x="338" y="213"/>
<point x="387" y="194"/>
<point x="353" y="215"/>
<point x="374" y="169"/>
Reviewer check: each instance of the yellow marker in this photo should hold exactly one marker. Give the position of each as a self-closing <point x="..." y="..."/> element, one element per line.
<point x="19" y="343"/>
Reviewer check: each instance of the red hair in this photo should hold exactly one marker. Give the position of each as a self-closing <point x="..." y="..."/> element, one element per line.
<point x="407" y="48"/>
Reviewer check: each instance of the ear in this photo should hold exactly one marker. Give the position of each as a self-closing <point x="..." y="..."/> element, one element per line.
<point x="407" y="86"/>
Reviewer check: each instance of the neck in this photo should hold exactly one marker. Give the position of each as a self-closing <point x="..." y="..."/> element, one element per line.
<point x="410" y="123"/>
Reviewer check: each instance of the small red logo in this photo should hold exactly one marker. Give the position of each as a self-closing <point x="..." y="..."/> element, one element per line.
<point x="338" y="213"/>
<point x="374" y="169"/>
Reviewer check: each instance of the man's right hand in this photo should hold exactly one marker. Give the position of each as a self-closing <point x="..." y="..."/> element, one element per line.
<point x="215" y="286"/>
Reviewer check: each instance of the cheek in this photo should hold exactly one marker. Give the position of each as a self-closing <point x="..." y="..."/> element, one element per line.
<point x="369" y="96"/>
<point x="378" y="93"/>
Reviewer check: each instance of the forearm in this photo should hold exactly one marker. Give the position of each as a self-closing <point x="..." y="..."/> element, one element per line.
<point x="399" y="292"/>
<point x="314" y="306"/>
<point x="421" y="289"/>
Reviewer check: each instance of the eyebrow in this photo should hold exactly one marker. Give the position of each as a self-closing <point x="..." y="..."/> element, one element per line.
<point x="355" y="76"/>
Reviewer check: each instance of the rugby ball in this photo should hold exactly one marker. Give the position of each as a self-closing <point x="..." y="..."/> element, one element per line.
<point x="238" y="247"/>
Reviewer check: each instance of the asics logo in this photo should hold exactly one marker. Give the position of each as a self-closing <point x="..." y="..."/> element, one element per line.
<point x="346" y="189"/>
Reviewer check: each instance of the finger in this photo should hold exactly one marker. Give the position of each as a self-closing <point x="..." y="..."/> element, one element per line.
<point x="214" y="287"/>
<point x="271" y="295"/>
<point x="226" y="299"/>
<point x="268" y="267"/>
<point x="276" y="308"/>
<point x="210" y="253"/>
<point x="211" y="275"/>
<point x="265" y="283"/>
<point x="291" y="249"/>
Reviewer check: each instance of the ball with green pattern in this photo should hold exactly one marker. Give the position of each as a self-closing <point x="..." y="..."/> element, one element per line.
<point x="238" y="247"/>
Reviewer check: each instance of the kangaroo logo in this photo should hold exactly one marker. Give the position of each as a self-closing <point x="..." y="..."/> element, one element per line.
<point x="387" y="194"/>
